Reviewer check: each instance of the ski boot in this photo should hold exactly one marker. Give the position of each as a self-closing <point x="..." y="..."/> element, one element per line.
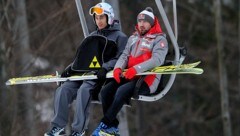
<point x="56" y="131"/>
<point x="97" y="130"/>
<point x="77" y="133"/>
<point x="112" y="131"/>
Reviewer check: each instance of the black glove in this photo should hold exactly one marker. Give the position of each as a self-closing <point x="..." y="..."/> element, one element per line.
<point x="67" y="72"/>
<point x="101" y="74"/>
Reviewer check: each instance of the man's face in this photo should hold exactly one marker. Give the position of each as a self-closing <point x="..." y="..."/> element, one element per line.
<point x="143" y="26"/>
<point x="101" y="21"/>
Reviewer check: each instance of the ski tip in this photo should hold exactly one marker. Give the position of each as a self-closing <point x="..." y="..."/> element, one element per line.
<point x="198" y="62"/>
<point x="8" y="83"/>
<point x="202" y="71"/>
<point x="198" y="71"/>
<point x="11" y="82"/>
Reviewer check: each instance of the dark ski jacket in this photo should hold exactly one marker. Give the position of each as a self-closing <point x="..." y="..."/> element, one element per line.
<point x="113" y="33"/>
<point x="144" y="53"/>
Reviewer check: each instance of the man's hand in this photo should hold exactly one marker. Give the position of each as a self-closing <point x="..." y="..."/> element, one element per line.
<point x="116" y="74"/>
<point x="101" y="74"/>
<point x="130" y="73"/>
<point x="67" y="72"/>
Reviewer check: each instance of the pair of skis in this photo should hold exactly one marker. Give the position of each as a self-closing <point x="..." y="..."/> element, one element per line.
<point x="171" y="69"/>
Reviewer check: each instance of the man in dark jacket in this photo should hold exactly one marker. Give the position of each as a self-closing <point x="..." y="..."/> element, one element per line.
<point x="145" y="49"/>
<point x="65" y="94"/>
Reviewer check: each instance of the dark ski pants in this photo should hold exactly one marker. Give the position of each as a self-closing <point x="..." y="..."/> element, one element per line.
<point x="114" y="96"/>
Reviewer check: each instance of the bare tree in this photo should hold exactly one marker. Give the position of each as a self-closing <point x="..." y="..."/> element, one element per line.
<point x="228" y="2"/>
<point x="22" y="44"/>
<point x="5" y="102"/>
<point x="3" y="94"/>
<point x="239" y="46"/>
<point x="222" y="71"/>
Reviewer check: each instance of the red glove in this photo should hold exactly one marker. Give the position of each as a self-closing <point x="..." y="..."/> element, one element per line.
<point x="116" y="74"/>
<point x="130" y="73"/>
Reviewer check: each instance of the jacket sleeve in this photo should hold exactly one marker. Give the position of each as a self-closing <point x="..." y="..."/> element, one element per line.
<point x="121" y="43"/>
<point x="159" y="53"/>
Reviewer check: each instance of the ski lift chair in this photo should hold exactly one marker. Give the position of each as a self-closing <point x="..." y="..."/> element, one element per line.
<point x="179" y="54"/>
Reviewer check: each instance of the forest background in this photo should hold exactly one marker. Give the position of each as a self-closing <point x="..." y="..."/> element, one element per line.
<point x="41" y="37"/>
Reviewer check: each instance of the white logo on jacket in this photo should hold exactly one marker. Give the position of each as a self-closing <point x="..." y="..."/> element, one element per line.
<point x="144" y="44"/>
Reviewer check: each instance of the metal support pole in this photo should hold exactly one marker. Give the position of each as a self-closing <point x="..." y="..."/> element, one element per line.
<point x="175" y="19"/>
<point x="169" y="30"/>
<point x="82" y="18"/>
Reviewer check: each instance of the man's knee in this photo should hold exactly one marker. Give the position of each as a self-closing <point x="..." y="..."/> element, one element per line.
<point x="120" y="95"/>
<point x="61" y="90"/>
<point x="68" y="89"/>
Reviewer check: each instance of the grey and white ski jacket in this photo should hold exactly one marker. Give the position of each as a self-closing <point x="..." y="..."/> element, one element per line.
<point x="144" y="53"/>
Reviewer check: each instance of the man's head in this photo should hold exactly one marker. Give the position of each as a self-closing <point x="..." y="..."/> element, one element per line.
<point x="102" y="14"/>
<point x="145" y="20"/>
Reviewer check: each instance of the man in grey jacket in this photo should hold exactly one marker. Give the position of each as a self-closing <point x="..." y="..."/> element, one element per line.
<point x="65" y="94"/>
<point x="145" y="49"/>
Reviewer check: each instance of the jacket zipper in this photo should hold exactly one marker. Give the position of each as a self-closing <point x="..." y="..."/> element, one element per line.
<point x="137" y="47"/>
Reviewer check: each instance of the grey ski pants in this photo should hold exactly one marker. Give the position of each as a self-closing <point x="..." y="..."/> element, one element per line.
<point x="64" y="96"/>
